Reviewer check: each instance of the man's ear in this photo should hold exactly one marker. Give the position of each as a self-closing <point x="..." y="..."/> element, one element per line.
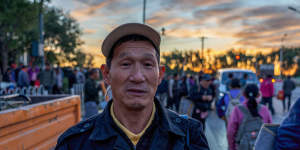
<point x="105" y="73"/>
<point x="162" y="70"/>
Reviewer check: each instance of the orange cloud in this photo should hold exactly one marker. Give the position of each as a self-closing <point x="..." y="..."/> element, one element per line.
<point x="88" y="12"/>
<point x="89" y="31"/>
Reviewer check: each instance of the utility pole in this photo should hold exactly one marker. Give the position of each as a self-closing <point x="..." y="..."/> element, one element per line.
<point x="202" y="48"/>
<point x="144" y="12"/>
<point x="41" y="30"/>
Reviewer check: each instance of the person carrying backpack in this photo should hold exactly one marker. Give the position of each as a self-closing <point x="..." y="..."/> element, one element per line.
<point x="246" y="120"/>
<point x="231" y="99"/>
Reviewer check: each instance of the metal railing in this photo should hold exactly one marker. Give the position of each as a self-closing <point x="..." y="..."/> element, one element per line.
<point x="28" y="91"/>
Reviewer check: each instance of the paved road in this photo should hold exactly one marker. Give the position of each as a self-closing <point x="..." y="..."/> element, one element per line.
<point x="216" y="131"/>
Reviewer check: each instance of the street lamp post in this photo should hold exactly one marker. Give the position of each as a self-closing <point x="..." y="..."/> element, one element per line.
<point x="41" y="30"/>
<point x="281" y="54"/>
<point x="202" y="49"/>
<point x="144" y="12"/>
<point x="293" y="9"/>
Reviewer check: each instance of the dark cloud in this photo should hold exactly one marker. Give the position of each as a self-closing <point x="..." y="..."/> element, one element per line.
<point x="256" y="13"/>
<point x="92" y="8"/>
<point x="230" y="19"/>
<point x="217" y="10"/>
<point x="265" y="11"/>
<point x="263" y="26"/>
<point x="91" y="2"/>
<point x="190" y="4"/>
<point x="271" y="26"/>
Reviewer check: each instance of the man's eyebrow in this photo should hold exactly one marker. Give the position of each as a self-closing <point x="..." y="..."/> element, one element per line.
<point x="122" y="55"/>
<point x="146" y="55"/>
<point x="149" y="56"/>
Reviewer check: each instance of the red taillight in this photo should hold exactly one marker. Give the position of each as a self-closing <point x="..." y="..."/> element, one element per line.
<point x="261" y="80"/>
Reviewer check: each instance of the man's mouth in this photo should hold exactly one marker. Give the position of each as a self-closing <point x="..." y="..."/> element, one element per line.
<point x="136" y="92"/>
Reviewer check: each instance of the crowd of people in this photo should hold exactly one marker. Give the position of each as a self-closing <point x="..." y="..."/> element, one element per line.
<point x="244" y="107"/>
<point x="55" y="80"/>
<point x="201" y="89"/>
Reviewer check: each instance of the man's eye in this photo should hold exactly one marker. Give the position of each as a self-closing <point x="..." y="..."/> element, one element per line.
<point x="148" y="64"/>
<point x="125" y="64"/>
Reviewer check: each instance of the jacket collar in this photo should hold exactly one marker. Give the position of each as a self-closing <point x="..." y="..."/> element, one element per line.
<point x="166" y="121"/>
<point x="105" y="128"/>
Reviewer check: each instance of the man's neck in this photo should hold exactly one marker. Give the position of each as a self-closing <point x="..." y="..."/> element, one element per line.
<point x="204" y="87"/>
<point x="134" y="121"/>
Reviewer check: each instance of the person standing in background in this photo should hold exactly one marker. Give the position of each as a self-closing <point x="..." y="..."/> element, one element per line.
<point x="58" y="87"/>
<point x="91" y="94"/>
<point x="231" y="99"/>
<point x="267" y="91"/>
<point x="7" y="77"/>
<point x="33" y="73"/>
<point x="23" y="79"/>
<point x="162" y="91"/>
<point x="80" y="78"/>
<point x="17" y="70"/>
<point x="174" y="93"/>
<point x="288" y="87"/>
<point x="244" y="80"/>
<point x="13" y="73"/>
<point x="71" y="78"/>
<point x="202" y="99"/>
<point x="228" y="82"/>
<point x="47" y="78"/>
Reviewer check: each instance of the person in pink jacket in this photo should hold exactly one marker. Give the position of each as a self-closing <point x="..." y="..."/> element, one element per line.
<point x="267" y="92"/>
<point x="251" y="93"/>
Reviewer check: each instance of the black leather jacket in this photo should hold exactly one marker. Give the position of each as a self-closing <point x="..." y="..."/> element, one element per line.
<point x="168" y="131"/>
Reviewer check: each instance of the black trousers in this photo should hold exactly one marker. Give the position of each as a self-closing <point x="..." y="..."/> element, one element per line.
<point x="269" y="101"/>
<point x="173" y="101"/>
<point x="196" y="115"/>
<point x="289" y="101"/>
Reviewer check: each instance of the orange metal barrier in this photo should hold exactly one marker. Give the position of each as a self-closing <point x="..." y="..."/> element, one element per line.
<point x="37" y="126"/>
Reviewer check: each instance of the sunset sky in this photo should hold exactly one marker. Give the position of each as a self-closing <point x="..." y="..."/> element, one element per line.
<point x="247" y="24"/>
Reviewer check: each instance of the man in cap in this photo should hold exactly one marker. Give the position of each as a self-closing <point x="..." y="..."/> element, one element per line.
<point x="134" y="119"/>
<point x="202" y="99"/>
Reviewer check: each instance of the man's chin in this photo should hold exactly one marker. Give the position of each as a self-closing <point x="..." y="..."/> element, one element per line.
<point x="136" y="106"/>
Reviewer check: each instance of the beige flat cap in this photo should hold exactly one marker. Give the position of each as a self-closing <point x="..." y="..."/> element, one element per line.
<point x="129" y="29"/>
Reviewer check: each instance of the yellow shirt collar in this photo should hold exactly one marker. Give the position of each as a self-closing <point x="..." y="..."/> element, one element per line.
<point x="134" y="138"/>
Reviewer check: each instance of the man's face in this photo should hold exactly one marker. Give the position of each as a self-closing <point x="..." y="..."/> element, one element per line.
<point x="134" y="74"/>
<point x="205" y="83"/>
<point x="95" y="75"/>
<point x="176" y="77"/>
<point x="47" y="67"/>
<point x="210" y="82"/>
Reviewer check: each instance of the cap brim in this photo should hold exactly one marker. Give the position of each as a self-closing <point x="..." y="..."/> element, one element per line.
<point x="129" y="29"/>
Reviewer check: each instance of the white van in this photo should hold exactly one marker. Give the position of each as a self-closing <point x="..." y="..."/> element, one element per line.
<point x="222" y="76"/>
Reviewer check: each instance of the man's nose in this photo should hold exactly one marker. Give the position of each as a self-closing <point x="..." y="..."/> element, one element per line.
<point x="137" y="74"/>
